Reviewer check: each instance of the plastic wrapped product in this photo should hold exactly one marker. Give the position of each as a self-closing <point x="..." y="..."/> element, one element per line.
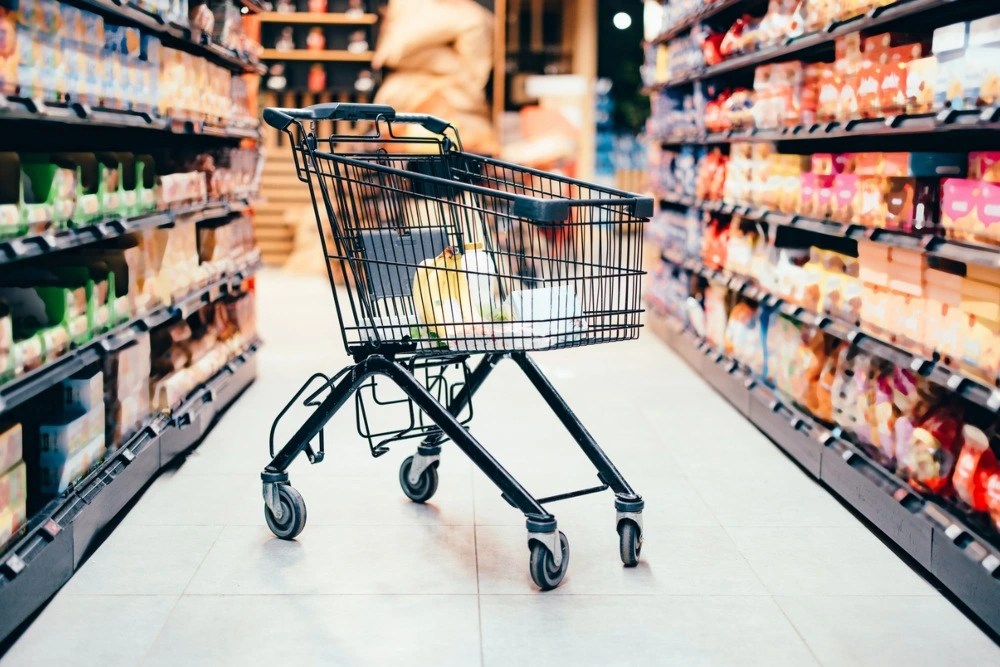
<point x="928" y="460"/>
<point x="976" y="464"/>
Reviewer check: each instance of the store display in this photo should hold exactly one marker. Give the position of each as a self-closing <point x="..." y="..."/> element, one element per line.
<point x="871" y="273"/>
<point x="121" y="146"/>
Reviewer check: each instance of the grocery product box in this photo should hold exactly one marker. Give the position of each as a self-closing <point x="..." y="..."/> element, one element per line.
<point x="981" y="299"/>
<point x="921" y="84"/>
<point x="984" y="166"/>
<point x="59" y="469"/>
<point x="917" y="164"/>
<point x="11" y="445"/>
<point x="82" y="392"/>
<point x="971" y="209"/>
<point x="13" y="486"/>
<point x="12" y="518"/>
<point x="874" y="263"/>
<point x="909" y="312"/>
<point x="67" y="435"/>
<point x="945" y="319"/>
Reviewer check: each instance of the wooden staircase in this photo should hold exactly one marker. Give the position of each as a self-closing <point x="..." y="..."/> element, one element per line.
<point x="285" y="202"/>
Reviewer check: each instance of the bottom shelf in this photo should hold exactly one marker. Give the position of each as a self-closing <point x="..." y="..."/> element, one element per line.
<point x="63" y="534"/>
<point x="944" y="544"/>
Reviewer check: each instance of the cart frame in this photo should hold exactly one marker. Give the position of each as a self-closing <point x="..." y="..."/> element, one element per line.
<point x="284" y="507"/>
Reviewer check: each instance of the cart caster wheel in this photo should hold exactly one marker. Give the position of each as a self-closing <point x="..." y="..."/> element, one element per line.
<point x="422" y="491"/>
<point x="543" y="570"/>
<point x="629" y="543"/>
<point x="293" y="514"/>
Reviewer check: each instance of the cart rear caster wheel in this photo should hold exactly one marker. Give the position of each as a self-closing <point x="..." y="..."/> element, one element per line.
<point x="422" y="491"/>
<point x="629" y="543"/>
<point x="293" y="514"/>
<point x="544" y="572"/>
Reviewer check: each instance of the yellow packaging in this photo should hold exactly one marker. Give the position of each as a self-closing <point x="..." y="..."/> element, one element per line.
<point x="981" y="299"/>
<point x="11" y="520"/>
<point x="11" y="445"/>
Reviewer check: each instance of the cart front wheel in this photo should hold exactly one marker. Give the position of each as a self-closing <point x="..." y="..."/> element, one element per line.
<point x="544" y="571"/>
<point x="293" y="513"/>
<point x="629" y="543"/>
<point x="425" y="487"/>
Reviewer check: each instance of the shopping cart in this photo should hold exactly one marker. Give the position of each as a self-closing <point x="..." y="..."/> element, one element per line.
<point x="446" y="256"/>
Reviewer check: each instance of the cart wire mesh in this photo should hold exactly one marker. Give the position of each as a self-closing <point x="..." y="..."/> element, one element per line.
<point x="444" y="251"/>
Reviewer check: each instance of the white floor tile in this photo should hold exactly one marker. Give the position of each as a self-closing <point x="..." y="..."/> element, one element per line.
<point x="861" y="631"/>
<point x="606" y="631"/>
<point x="340" y="559"/>
<point x="332" y="630"/>
<point x="829" y="560"/>
<point x="98" y="630"/>
<point x="144" y="560"/>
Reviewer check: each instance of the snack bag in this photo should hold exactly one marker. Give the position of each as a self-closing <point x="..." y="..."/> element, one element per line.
<point x="454" y="290"/>
<point x="976" y="464"/>
<point x="928" y="460"/>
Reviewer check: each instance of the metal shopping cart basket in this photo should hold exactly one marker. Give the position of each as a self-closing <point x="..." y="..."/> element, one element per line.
<point x="448" y="256"/>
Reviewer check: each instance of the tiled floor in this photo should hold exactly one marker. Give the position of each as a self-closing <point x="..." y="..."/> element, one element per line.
<point x="746" y="560"/>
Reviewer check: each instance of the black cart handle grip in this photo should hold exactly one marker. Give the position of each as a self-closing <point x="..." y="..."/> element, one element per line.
<point x="280" y="118"/>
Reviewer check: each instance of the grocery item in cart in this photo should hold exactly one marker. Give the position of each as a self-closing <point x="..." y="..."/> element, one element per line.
<point x="455" y="290"/>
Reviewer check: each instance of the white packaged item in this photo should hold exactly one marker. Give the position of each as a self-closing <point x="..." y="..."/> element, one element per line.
<point x="554" y="314"/>
<point x="83" y="393"/>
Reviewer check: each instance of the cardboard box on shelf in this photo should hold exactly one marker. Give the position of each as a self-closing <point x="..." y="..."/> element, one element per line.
<point x="83" y="392"/>
<point x="68" y="434"/>
<point x="11" y="445"/>
<point x="59" y="469"/>
<point x="12" y="518"/>
<point x="13" y="486"/>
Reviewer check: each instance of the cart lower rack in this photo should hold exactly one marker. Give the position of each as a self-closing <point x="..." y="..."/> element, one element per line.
<point x="453" y="262"/>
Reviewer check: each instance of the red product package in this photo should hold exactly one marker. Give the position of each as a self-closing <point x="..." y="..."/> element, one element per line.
<point x="928" y="459"/>
<point x="976" y="464"/>
<point x="992" y="494"/>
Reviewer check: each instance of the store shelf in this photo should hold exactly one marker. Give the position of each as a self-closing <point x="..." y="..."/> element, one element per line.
<point x="944" y="543"/>
<point x="328" y="56"/>
<point x="977" y="122"/>
<point x="59" y="537"/>
<point x="976" y="392"/>
<point x="904" y="9"/>
<point x="173" y="35"/>
<point x="318" y="18"/>
<point x="933" y="244"/>
<point x="22" y="109"/>
<point x="45" y="243"/>
<point x="703" y="14"/>
<point x="20" y="389"/>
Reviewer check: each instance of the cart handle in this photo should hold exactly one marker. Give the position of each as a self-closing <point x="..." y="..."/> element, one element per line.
<point x="280" y="118"/>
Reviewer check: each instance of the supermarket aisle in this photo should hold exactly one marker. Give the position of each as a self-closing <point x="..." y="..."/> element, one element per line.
<point x="746" y="560"/>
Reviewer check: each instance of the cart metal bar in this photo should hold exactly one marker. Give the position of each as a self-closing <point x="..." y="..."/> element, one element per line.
<point x="573" y="494"/>
<point x="606" y="469"/>
<point x="452" y="428"/>
<point x="465" y="394"/>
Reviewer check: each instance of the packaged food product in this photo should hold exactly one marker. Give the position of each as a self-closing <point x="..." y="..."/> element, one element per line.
<point x="58" y="469"/>
<point x="11" y="445"/>
<point x="976" y="464"/>
<point x="13" y="486"/>
<point x="928" y="459"/>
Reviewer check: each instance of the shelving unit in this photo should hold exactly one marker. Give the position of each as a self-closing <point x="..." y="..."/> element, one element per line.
<point x="952" y="548"/>
<point x="37" y="565"/>
<point x="173" y="35"/>
<point x="958" y="548"/>
<point x="881" y="17"/>
<point x="42" y="555"/>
